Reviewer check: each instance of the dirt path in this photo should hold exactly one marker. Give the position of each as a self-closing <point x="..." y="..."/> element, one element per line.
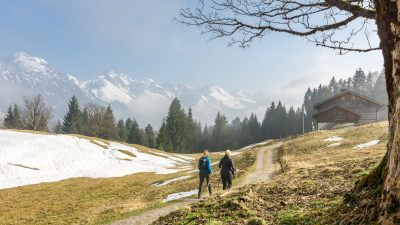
<point x="265" y="165"/>
<point x="265" y="168"/>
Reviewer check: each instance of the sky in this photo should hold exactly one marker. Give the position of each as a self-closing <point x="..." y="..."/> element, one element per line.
<point x="141" y="39"/>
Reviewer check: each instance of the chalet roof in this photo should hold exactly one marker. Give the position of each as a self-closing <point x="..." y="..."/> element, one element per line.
<point x="346" y="91"/>
<point x="335" y="106"/>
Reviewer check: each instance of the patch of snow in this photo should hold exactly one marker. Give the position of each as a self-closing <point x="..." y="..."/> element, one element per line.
<point x="248" y="100"/>
<point x="178" y="159"/>
<point x="225" y="98"/>
<point x="170" y="181"/>
<point x="31" y="63"/>
<point x="204" y="98"/>
<point x="74" y="80"/>
<point x="180" y="195"/>
<point x="368" y="144"/>
<point x="334" y="138"/>
<point x="159" y="153"/>
<point x="61" y="157"/>
<point x="185" y="157"/>
<point x="334" y="144"/>
<point x="109" y="92"/>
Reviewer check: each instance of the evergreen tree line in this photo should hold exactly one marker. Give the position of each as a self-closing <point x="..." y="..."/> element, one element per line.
<point x="99" y="121"/>
<point x="364" y="84"/>
<point x="179" y="132"/>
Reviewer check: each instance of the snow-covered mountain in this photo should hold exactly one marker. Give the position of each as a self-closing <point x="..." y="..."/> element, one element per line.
<point x="144" y="99"/>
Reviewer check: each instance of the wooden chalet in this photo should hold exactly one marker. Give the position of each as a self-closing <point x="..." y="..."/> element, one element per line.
<point x="347" y="108"/>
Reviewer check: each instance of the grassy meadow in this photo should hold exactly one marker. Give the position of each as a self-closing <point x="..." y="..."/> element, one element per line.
<point x="312" y="189"/>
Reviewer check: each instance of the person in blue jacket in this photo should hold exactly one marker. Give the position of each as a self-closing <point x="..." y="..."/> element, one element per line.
<point x="205" y="172"/>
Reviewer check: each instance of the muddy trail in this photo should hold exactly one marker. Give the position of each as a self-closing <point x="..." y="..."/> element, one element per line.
<point x="265" y="167"/>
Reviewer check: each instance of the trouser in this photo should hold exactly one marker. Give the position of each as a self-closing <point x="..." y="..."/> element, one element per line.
<point x="226" y="179"/>
<point x="208" y="179"/>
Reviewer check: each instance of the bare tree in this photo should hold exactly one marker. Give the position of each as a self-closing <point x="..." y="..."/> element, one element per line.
<point x="35" y="114"/>
<point x="93" y="119"/>
<point x="342" y="25"/>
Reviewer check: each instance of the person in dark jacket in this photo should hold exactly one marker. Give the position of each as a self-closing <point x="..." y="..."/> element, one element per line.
<point x="227" y="170"/>
<point x="205" y="172"/>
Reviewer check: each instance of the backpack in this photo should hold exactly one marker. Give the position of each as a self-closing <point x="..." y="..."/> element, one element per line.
<point x="202" y="163"/>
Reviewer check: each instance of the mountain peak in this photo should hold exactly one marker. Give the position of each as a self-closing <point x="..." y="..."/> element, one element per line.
<point x="116" y="78"/>
<point x="28" y="62"/>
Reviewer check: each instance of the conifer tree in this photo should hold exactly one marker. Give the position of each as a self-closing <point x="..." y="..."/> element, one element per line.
<point x="12" y="119"/>
<point x="58" y="128"/>
<point x="108" y="128"/>
<point x="245" y="134"/>
<point x="359" y="82"/>
<point x="176" y="125"/>
<point x="150" y="136"/>
<point x="379" y="89"/>
<point x="72" y="119"/>
<point x="134" y="136"/>
<point x="163" y="141"/>
<point x="17" y="120"/>
<point x="235" y="133"/>
<point x="190" y="131"/>
<point x="220" y="132"/>
<point x="9" y="119"/>
<point x="254" y="128"/>
<point x="122" y="131"/>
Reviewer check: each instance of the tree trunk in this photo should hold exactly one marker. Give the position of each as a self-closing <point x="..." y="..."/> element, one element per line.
<point x="388" y="22"/>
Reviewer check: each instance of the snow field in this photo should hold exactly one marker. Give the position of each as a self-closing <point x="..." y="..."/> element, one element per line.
<point x="334" y="138"/>
<point x="160" y="184"/>
<point x="59" y="157"/>
<point x="180" y="195"/>
<point x="368" y="144"/>
<point x="334" y="144"/>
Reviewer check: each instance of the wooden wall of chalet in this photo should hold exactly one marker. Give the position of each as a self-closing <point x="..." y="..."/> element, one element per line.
<point x="366" y="109"/>
<point x="342" y="115"/>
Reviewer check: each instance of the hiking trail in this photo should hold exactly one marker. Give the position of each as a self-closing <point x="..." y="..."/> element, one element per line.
<point x="265" y="167"/>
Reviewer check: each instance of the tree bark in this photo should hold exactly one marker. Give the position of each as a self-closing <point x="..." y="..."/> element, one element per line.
<point x="388" y="23"/>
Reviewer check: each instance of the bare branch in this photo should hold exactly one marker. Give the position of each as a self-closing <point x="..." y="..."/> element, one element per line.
<point x="245" y="20"/>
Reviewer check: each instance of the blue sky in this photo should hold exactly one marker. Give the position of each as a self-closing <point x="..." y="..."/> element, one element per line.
<point x="140" y="38"/>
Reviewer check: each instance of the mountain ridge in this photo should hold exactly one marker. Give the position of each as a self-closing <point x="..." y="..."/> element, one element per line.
<point x="143" y="99"/>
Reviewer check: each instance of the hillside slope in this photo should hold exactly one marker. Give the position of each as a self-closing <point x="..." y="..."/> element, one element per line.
<point x="66" y="179"/>
<point x="320" y="169"/>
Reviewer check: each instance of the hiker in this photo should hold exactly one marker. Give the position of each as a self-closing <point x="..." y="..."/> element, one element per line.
<point x="227" y="170"/>
<point x="204" y="172"/>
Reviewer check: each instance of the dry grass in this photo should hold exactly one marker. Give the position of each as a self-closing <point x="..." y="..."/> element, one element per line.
<point x="128" y="153"/>
<point x="97" y="201"/>
<point x="31" y="131"/>
<point x="311" y="191"/>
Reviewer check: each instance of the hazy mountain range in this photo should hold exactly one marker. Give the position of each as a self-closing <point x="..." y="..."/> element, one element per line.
<point x="143" y="99"/>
